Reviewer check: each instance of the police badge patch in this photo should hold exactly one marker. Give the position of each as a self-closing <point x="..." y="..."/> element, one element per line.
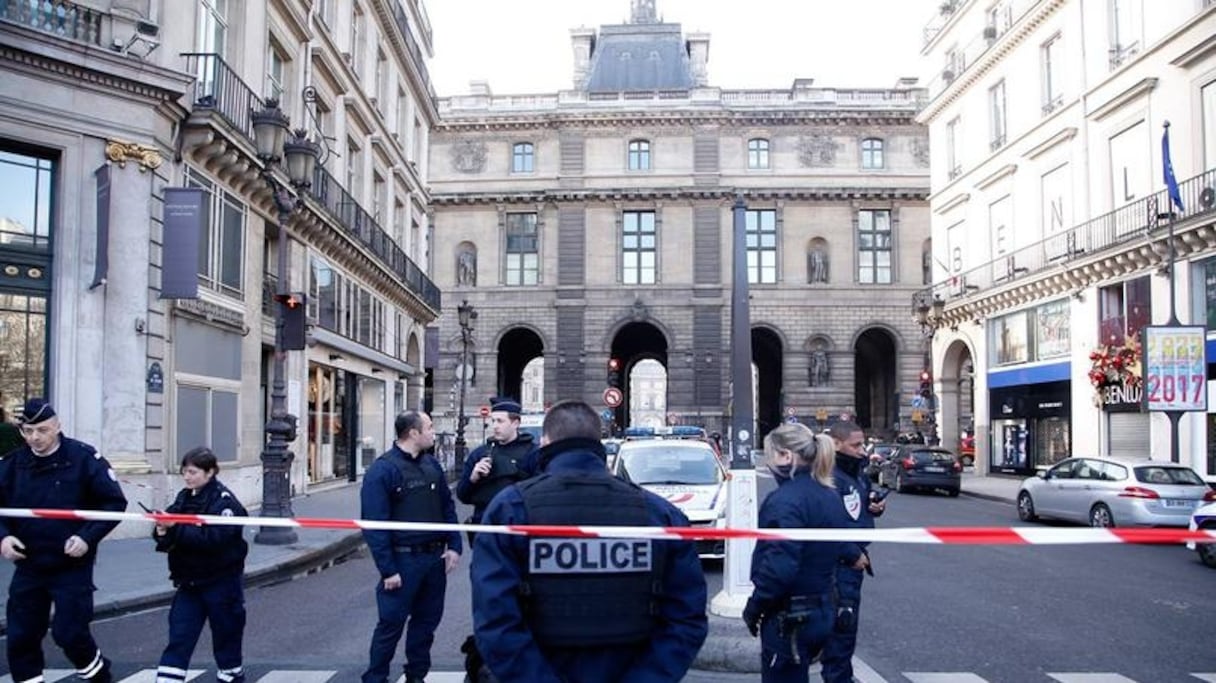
<point x="112" y="475"/>
<point x="852" y="503"/>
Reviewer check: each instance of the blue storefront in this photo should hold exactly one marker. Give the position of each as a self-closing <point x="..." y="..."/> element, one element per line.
<point x="1030" y="409"/>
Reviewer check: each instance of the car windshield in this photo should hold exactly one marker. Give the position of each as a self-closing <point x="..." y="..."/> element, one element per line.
<point x="934" y="455"/>
<point x="674" y="464"/>
<point x="1183" y="476"/>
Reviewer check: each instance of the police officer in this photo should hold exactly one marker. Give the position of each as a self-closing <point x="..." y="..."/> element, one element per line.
<point x="206" y="564"/>
<point x="585" y="610"/>
<point x="406" y="484"/>
<point x="509" y="456"/>
<point x="791" y="607"/>
<point x="860" y="504"/>
<point x="54" y="557"/>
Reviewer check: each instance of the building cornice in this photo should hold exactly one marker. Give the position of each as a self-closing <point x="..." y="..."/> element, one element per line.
<point x="442" y="199"/>
<point x="1140" y="89"/>
<point x="1061" y="136"/>
<point x="990" y="179"/>
<point x="676" y="118"/>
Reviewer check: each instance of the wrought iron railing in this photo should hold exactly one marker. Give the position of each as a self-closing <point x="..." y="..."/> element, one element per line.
<point x="1125" y="224"/>
<point x="219" y="88"/>
<point x="58" y="17"/>
<point x="411" y="45"/>
<point x="363" y="229"/>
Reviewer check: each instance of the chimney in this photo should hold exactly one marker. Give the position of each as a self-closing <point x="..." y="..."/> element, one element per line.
<point x="582" y="39"/>
<point x="698" y="58"/>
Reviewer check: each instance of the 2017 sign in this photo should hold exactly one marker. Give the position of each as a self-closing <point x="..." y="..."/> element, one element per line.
<point x="1175" y="369"/>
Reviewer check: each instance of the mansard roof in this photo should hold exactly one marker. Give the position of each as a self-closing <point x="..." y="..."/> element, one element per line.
<point x="633" y="57"/>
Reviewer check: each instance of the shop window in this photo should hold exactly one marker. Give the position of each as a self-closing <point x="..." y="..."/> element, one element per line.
<point x="208" y="416"/>
<point x="23" y="350"/>
<point x="1123" y="310"/>
<point x="25" y="204"/>
<point x="1009" y="337"/>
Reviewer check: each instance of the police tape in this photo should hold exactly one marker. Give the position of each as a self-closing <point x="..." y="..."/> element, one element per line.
<point x="934" y="535"/>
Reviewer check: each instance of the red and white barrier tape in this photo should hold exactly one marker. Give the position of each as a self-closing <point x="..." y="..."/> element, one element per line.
<point x="941" y="535"/>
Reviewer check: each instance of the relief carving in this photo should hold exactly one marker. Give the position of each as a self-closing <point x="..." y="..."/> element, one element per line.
<point x="817" y="150"/>
<point x="469" y="156"/>
<point x="920" y="152"/>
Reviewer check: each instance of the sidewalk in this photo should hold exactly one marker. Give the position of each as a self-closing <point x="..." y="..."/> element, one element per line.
<point x="999" y="487"/>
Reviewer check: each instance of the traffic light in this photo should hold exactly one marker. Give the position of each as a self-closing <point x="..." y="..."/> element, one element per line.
<point x="926" y="383"/>
<point x="295" y="320"/>
<point x="614" y="372"/>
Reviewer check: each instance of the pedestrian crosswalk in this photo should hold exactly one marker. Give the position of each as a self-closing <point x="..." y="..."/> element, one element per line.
<point x="275" y="676"/>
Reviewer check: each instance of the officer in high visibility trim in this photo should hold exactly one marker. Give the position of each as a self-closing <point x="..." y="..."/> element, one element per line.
<point x="54" y="557"/>
<point x="792" y="607"/>
<point x="585" y="610"/>
<point x="207" y="565"/>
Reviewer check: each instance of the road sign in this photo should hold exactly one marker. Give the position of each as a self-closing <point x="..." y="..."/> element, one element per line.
<point x="485" y="411"/>
<point x="606" y="415"/>
<point x="613" y="397"/>
<point x="918" y="401"/>
<point x="792" y="419"/>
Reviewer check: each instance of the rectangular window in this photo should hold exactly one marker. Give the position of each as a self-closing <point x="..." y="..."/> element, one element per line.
<point x="365" y="318"/>
<point x="1057" y="211"/>
<point x="761" y="246"/>
<point x="1053" y="330"/>
<point x="996" y="116"/>
<point x="522" y="157"/>
<point x="325" y="10"/>
<point x="757" y="153"/>
<point x="379" y="197"/>
<point x="874" y="246"/>
<point x="638" y="248"/>
<point x="1051" y="56"/>
<point x="1123" y="310"/>
<point x="954" y="166"/>
<point x="325" y="291"/>
<point x="276" y="72"/>
<point x="639" y="155"/>
<point x="357" y="36"/>
<point x="1124" y="24"/>
<point x="1130" y="165"/>
<point x="401" y="226"/>
<point x="25" y="204"/>
<point x="523" y="254"/>
<point x="222" y="244"/>
<point x="208" y="416"/>
<point x="354" y="169"/>
<point x="1207" y="98"/>
<point x="872" y="153"/>
<point x="403" y="116"/>
<point x="213" y="26"/>
<point x="1010" y="334"/>
<point x="381" y="81"/>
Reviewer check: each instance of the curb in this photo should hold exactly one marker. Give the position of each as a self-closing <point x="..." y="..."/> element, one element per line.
<point x="729" y="648"/>
<point x="302" y="565"/>
<point x="989" y="496"/>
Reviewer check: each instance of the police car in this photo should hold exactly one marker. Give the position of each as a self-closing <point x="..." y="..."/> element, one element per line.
<point x="682" y="468"/>
<point x="1204" y="517"/>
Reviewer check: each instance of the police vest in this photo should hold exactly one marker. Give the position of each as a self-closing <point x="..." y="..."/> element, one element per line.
<point x="589" y="592"/>
<point x="419" y="498"/>
<point x="503" y="473"/>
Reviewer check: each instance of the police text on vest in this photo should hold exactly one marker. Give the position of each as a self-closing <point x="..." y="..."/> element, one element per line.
<point x="589" y="555"/>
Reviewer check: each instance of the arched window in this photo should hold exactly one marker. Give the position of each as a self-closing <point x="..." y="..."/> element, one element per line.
<point x="522" y="156"/>
<point x="871" y="153"/>
<point x="639" y="155"/>
<point x="757" y="153"/>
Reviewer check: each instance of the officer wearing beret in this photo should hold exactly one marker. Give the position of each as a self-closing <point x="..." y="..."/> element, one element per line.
<point x="54" y="557"/>
<point x="585" y="610"/>
<point x="509" y="456"/>
<point x="406" y="484"/>
<point x="207" y="565"/>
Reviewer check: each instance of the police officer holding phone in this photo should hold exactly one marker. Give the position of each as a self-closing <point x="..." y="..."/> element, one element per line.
<point x="592" y="610"/>
<point x="54" y="557"/>
<point x="862" y="504"/>
<point x="509" y="456"/>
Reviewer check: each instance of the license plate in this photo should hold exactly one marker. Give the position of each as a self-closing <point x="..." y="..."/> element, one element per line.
<point x="1171" y="503"/>
<point x="935" y="469"/>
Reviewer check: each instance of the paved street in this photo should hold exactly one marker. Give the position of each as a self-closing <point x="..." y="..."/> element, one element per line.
<point x="931" y="615"/>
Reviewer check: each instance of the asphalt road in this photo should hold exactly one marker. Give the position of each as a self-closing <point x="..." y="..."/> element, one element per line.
<point x="1006" y="614"/>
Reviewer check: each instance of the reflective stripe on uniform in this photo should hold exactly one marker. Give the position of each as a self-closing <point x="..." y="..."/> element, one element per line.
<point x="93" y="667"/>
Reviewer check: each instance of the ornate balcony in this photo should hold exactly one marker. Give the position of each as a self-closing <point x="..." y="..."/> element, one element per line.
<point x="58" y="17"/>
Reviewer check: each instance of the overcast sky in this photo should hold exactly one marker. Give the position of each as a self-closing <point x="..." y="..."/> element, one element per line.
<point x="523" y="46"/>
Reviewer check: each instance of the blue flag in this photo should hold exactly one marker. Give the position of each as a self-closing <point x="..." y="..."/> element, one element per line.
<point x="1171" y="183"/>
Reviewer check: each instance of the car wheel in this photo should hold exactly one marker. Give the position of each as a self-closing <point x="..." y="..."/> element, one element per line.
<point x="899" y="484"/>
<point x="1026" y="507"/>
<point x="968" y="461"/>
<point x="1207" y="552"/>
<point x="1100" y="516"/>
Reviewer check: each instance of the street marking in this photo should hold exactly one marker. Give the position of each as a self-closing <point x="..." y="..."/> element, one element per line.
<point x="1210" y="678"/>
<point x="1091" y="678"/>
<point x="944" y="677"/>
<point x="280" y="676"/>
<point x="440" y="677"/>
<point x="149" y="676"/>
<point x="864" y="674"/>
<point x="50" y="675"/>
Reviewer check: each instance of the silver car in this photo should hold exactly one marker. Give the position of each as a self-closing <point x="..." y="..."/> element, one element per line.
<point x="1106" y="492"/>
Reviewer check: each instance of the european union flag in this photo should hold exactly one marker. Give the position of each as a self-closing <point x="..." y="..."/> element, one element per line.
<point x="1171" y="183"/>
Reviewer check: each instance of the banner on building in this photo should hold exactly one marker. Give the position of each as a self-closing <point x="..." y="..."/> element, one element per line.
<point x="185" y="219"/>
<point x="1175" y="368"/>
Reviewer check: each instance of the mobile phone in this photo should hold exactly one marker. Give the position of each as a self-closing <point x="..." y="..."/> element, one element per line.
<point x="879" y="495"/>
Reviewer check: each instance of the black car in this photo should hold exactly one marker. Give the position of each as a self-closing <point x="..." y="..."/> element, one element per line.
<point x="922" y="467"/>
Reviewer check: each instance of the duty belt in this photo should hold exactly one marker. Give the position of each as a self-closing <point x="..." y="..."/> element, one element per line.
<point x="433" y="547"/>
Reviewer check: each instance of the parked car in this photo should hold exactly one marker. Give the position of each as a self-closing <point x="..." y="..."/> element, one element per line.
<point x="879" y="453"/>
<point x="688" y="473"/>
<point x="1107" y="492"/>
<point x="922" y="467"/>
<point x="966" y="449"/>
<point x="1204" y="517"/>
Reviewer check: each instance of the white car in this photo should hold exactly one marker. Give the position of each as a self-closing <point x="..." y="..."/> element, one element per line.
<point x="1204" y="518"/>
<point x="686" y="472"/>
<point x="1108" y="492"/>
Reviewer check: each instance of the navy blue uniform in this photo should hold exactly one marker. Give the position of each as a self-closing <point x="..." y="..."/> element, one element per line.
<point x="73" y="477"/>
<point x="207" y="564"/>
<point x="794" y="579"/>
<point x="853" y="486"/>
<point x="404" y="488"/>
<point x="510" y="643"/>
<point x="510" y="462"/>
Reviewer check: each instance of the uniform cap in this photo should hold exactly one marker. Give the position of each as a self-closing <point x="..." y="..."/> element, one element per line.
<point x="36" y="410"/>
<point x="505" y="404"/>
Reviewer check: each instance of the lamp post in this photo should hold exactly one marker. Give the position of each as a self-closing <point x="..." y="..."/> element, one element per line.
<point x="465" y="315"/>
<point x="270" y="126"/>
<point x="929" y="316"/>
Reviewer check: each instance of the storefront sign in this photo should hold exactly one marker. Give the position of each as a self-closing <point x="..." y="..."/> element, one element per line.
<point x="1123" y="397"/>
<point x="185" y="219"/>
<point x="1175" y="368"/>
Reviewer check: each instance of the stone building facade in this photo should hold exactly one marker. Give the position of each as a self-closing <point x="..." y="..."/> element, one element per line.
<point x="596" y="223"/>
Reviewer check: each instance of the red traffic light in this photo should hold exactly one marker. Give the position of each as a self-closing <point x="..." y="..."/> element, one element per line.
<point x="614" y="364"/>
<point x="925" y="376"/>
<point x="290" y="300"/>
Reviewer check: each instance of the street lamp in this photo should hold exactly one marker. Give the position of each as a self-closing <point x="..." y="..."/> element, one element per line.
<point x="465" y="315"/>
<point x="270" y="126"/>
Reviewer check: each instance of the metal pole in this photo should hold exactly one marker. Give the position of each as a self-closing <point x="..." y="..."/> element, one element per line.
<point x="280" y="429"/>
<point x="461" y="445"/>
<point x="1175" y="416"/>
<point x="741" y="508"/>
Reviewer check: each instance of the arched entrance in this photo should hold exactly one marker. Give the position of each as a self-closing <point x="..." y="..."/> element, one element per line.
<point x="633" y="343"/>
<point x="956" y="398"/>
<point x="767" y="358"/>
<point x="516" y="349"/>
<point x="874" y="387"/>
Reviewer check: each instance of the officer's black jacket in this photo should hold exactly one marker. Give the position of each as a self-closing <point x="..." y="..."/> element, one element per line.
<point x="512" y="462"/>
<point x="74" y="477"/>
<point x="202" y="553"/>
